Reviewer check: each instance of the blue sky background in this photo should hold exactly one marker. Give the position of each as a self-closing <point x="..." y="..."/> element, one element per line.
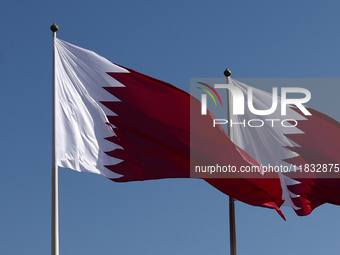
<point x="172" y="41"/>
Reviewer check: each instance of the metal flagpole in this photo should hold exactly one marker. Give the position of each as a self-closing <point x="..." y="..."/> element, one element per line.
<point x="232" y="225"/>
<point x="55" y="208"/>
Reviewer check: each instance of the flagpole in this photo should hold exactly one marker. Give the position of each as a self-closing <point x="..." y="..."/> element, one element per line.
<point x="232" y="225"/>
<point x="55" y="200"/>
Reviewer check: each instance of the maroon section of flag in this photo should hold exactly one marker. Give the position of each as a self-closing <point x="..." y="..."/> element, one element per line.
<point x="319" y="156"/>
<point x="152" y="126"/>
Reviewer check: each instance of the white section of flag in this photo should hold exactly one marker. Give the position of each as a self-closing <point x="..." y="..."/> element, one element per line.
<point x="266" y="144"/>
<point x="80" y="118"/>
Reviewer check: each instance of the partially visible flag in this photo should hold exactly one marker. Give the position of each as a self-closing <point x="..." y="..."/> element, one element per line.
<point x="319" y="155"/>
<point x="299" y="141"/>
<point x="113" y="121"/>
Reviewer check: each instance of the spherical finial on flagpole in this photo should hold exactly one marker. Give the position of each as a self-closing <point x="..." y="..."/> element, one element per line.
<point x="227" y="72"/>
<point x="54" y="28"/>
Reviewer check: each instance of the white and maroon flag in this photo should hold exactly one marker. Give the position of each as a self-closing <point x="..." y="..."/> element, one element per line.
<point x="319" y="155"/>
<point x="294" y="144"/>
<point x="113" y="121"/>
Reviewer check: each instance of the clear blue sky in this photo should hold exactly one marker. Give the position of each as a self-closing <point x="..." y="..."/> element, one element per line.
<point x="172" y="41"/>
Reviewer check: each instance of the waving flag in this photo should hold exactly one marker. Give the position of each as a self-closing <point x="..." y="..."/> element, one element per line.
<point x="319" y="149"/>
<point x="116" y="122"/>
<point x="303" y="140"/>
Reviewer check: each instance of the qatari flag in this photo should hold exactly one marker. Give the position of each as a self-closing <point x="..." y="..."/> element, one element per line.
<point x="116" y="122"/>
<point x="311" y="141"/>
<point x="319" y="150"/>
